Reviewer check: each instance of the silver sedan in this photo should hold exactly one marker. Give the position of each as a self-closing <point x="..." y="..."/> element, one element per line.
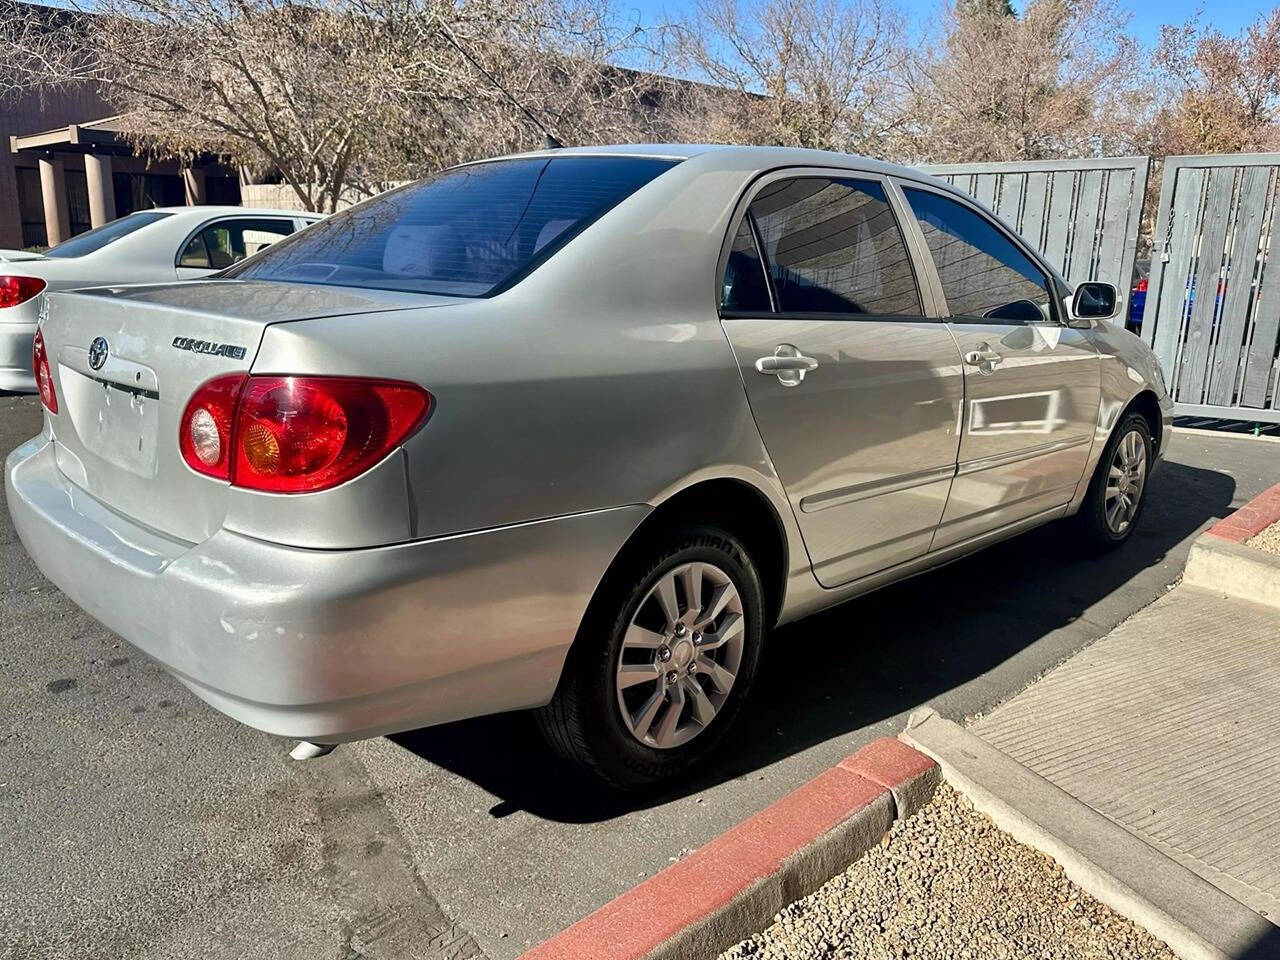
<point x="167" y="243"/>
<point x="570" y="431"/>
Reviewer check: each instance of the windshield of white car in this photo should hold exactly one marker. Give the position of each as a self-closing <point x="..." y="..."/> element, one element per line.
<point x="99" y="237"/>
<point x="470" y="231"/>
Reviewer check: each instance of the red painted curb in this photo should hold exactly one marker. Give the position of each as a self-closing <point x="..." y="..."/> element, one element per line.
<point x="641" y="920"/>
<point x="887" y="762"/>
<point x="1251" y="519"/>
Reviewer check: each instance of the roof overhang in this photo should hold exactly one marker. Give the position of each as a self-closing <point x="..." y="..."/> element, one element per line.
<point x="97" y="136"/>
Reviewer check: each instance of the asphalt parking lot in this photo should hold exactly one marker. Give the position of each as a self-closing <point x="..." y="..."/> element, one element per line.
<point x="139" y="823"/>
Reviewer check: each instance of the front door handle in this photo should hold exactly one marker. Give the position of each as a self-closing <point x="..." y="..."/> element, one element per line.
<point x="788" y="364"/>
<point x="984" y="358"/>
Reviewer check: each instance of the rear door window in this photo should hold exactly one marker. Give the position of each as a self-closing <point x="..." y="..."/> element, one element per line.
<point x="469" y="231"/>
<point x="745" y="289"/>
<point x="226" y="242"/>
<point x="833" y="247"/>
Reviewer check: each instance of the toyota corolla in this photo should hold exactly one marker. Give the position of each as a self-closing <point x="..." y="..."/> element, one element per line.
<point x="571" y="431"/>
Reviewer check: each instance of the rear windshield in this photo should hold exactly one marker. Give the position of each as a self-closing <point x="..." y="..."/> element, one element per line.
<point x="99" y="237"/>
<point x="469" y="231"/>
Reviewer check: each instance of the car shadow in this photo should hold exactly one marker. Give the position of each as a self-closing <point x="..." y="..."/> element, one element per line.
<point x="1265" y="947"/>
<point x="861" y="662"/>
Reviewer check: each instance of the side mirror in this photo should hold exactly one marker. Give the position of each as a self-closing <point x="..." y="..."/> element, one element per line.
<point x="1094" y="301"/>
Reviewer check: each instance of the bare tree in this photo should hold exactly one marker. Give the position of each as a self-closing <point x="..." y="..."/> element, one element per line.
<point x="335" y="94"/>
<point x="558" y="60"/>
<point x="1059" y="80"/>
<point x="811" y="73"/>
<point x="1222" y="93"/>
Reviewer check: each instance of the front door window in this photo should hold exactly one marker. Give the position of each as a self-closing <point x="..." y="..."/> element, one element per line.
<point x="984" y="276"/>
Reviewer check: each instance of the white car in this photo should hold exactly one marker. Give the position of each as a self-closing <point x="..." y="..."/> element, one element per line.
<point x="150" y="246"/>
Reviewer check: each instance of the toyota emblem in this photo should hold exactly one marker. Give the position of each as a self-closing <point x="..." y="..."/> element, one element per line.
<point x="98" y="352"/>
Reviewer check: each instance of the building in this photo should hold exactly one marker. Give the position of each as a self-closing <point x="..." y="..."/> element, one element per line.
<point x="65" y="166"/>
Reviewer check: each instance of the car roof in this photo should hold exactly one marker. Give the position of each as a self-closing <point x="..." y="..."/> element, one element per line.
<point x="210" y="210"/>
<point x="765" y="157"/>
<point x="712" y="156"/>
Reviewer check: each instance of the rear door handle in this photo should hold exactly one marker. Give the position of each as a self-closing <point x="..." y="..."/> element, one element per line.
<point x="788" y="364"/>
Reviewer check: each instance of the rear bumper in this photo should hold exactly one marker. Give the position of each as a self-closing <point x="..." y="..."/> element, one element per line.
<point x="15" y="357"/>
<point x="326" y="645"/>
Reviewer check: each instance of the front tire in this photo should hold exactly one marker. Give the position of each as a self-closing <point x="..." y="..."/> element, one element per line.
<point x="1117" y="492"/>
<point x="663" y="661"/>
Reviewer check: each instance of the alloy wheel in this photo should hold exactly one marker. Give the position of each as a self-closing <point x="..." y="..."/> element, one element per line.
<point x="1125" y="480"/>
<point x="680" y="655"/>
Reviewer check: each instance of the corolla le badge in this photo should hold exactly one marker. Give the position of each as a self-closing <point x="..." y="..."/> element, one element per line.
<point x="229" y="350"/>
<point x="98" y="352"/>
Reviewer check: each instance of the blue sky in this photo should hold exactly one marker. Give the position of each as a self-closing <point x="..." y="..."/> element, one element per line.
<point x="1230" y="16"/>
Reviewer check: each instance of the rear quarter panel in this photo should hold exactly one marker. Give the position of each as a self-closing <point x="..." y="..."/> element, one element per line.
<point x="603" y="379"/>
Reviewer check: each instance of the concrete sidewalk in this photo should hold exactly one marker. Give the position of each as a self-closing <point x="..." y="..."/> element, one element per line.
<point x="1168" y="726"/>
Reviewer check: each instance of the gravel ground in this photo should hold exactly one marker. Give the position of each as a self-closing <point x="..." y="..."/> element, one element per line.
<point x="947" y="883"/>
<point x="1268" y="539"/>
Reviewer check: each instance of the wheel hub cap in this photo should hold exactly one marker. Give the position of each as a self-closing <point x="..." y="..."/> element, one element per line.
<point x="680" y="655"/>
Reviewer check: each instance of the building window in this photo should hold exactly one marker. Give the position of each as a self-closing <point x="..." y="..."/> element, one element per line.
<point x="31" y="208"/>
<point x="78" y="202"/>
<point x="143" y="191"/>
<point x="165" y="190"/>
<point x="222" y="190"/>
<point x="122" y="186"/>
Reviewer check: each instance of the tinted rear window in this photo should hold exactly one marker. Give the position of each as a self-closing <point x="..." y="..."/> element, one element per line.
<point x="99" y="237"/>
<point x="468" y="232"/>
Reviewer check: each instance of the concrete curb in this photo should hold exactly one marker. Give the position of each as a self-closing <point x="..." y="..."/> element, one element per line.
<point x="732" y="887"/>
<point x="1196" y="919"/>
<point x="1228" y="434"/>
<point x="1220" y="560"/>
<point x="1233" y="569"/>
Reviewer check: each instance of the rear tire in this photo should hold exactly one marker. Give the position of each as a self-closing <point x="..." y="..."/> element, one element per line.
<point x="1118" y="490"/>
<point x="656" y="677"/>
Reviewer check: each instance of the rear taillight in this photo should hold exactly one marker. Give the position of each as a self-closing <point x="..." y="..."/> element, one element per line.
<point x="16" y="290"/>
<point x="205" y="433"/>
<point x="296" y="434"/>
<point x="1142" y="285"/>
<point x="44" y="376"/>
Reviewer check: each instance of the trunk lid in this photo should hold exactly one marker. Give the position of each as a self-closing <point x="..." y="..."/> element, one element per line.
<point x="18" y="256"/>
<point x="119" y="413"/>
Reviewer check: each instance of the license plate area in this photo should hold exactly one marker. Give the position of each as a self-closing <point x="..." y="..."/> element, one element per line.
<point x="114" y="420"/>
